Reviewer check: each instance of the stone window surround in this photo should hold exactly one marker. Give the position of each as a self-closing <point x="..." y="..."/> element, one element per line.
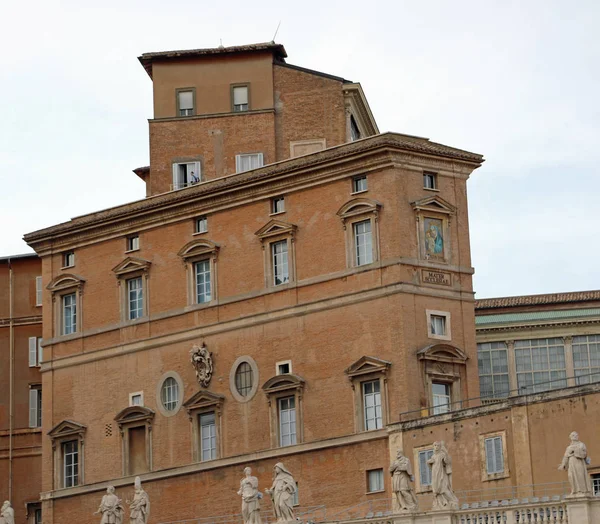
<point x="200" y="403"/>
<point x="485" y="476"/>
<point x="368" y="369"/>
<point x="132" y="267"/>
<point x="67" y="431"/>
<point x="283" y="362"/>
<point x="358" y="210"/>
<point x="136" y="394"/>
<point x="62" y="285"/>
<point x="135" y="417"/>
<point x="438" y="208"/>
<point x="159" y="385"/>
<point x="255" y="378"/>
<point x="275" y="231"/>
<point x="418" y="487"/>
<point x="184" y="89"/>
<point x="196" y="251"/>
<point x="278" y="387"/>
<point x="240" y="84"/>
<point x="447" y="316"/>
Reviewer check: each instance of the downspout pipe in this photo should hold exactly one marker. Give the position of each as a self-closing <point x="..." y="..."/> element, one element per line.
<point x="11" y="377"/>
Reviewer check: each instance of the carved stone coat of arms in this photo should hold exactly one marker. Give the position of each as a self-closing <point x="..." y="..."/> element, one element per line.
<point x="201" y="359"/>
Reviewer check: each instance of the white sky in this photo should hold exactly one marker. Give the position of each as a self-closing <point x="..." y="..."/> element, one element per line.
<point x="517" y="81"/>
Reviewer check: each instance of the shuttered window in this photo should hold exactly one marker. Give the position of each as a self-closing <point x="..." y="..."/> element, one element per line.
<point x="240" y="98"/>
<point x="38" y="291"/>
<point x="32" y="352"/>
<point x="247" y="162"/>
<point x="494" y="456"/>
<point x="35" y="407"/>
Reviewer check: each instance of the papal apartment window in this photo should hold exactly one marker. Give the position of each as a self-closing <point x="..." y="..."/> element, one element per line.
<point x="135" y="298"/>
<point x="541" y="365"/>
<point x="185" y="102"/>
<point x="70" y="456"/>
<point x="277" y="205"/>
<point x="441" y="398"/>
<point x="69" y="259"/>
<point x="363" y="242"/>
<point x="35" y="406"/>
<point x="202" y="273"/>
<point x="38" y="291"/>
<point x="186" y="174"/>
<point x="424" y="469"/>
<point x="287" y="421"/>
<point x="429" y="180"/>
<point x="169" y="394"/>
<point x="359" y="184"/>
<point x="247" y="162"/>
<point x="201" y="225"/>
<point x="69" y="313"/>
<point x="492" y="358"/>
<point x="494" y="456"/>
<point x="586" y="358"/>
<point x="35" y="352"/>
<point x="240" y="98"/>
<point x="208" y="436"/>
<point x="279" y="254"/>
<point x="375" y="480"/>
<point x="244" y="379"/>
<point x="133" y="243"/>
<point x="372" y="405"/>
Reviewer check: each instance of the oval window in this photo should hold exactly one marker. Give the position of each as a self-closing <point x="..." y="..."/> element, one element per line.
<point x="170" y="394"/>
<point x="244" y="379"/>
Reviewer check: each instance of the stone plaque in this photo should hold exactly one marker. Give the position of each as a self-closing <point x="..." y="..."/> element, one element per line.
<point x="440" y="278"/>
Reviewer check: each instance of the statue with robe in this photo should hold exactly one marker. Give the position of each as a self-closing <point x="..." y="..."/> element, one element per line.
<point x="441" y="478"/>
<point x="111" y="508"/>
<point x="282" y="494"/>
<point x="250" y="498"/>
<point x="575" y="463"/>
<point x="402" y="476"/>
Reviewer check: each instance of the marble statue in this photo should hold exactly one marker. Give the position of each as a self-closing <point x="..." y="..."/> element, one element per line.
<point x="282" y="494"/>
<point x="7" y="514"/>
<point x="201" y="359"/>
<point x="250" y="498"/>
<point x="402" y="476"/>
<point x="575" y="462"/>
<point x="140" y="505"/>
<point x="441" y="478"/>
<point x="111" y="508"/>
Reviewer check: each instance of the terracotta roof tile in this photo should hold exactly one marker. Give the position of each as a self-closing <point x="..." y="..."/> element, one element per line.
<point x="533" y="300"/>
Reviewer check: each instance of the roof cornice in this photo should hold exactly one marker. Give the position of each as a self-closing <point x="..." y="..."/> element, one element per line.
<point x="534" y="300"/>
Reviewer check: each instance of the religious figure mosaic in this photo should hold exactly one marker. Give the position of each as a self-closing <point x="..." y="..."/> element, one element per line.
<point x="434" y="237"/>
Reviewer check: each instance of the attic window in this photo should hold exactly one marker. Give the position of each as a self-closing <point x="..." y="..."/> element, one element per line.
<point x="354" y="131"/>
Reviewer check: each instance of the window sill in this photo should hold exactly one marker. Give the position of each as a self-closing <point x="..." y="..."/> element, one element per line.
<point x="38" y="305"/>
<point x="132" y="250"/>
<point x="199" y="233"/>
<point x="438" y="337"/>
<point x="67" y="267"/>
<point x="495" y="476"/>
<point x="278" y="213"/>
<point x="358" y="193"/>
<point x="435" y="189"/>
<point x="375" y="492"/>
<point x="424" y="489"/>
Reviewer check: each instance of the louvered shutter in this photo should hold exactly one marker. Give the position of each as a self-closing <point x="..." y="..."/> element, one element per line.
<point x="33" y="408"/>
<point x="40" y="351"/>
<point x="498" y="455"/>
<point x="38" y="291"/>
<point x="32" y="352"/>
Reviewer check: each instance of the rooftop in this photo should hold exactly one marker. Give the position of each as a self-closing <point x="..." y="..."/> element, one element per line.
<point x="535" y="300"/>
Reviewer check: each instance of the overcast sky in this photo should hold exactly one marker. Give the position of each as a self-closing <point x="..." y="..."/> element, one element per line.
<point x="517" y="81"/>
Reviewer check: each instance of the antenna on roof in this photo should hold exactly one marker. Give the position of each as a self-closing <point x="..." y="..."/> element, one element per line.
<point x="276" y="30"/>
<point x="221" y="43"/>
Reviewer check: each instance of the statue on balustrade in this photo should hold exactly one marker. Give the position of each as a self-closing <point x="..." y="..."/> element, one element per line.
<point x="111" y="508"/>
<point x="575" y="462"/>
<point x="250" y="498"/>
<point x="7" y="513"/>
<point x="282" y="494"/>
<point x="140" y="505"/>
<point x="441" y="478"/>
<point x="402" y="476"/>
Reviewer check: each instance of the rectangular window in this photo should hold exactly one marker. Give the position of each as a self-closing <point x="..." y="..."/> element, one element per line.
<point x="424" y="469"/>
<point x="541" y="365"/>
<point x="494" y="457"/>
<point x="69" y="259"/>
<point x="69" y="310"/>
<point x="372" y="405"/>
<point x="202" y="272"/>
<point x="363" y="242"/>
<point x="295" y="497"/>
<point x="492" y="358"/>
<point x="185" y="103"/>
<point x="35" y="351"/>
<point x="133" y="243"/>
<point x="429" y="180"/>
<point x="138" y="458"/>
<point x="375" y="480"/>
<point x="596" y="484"/>
<point x="186" y="174"/>
<point x="354" y="131"/>
<point x="277" y="205"/>
<point x="248" y="162"/>
<point x="359" y="184"/>
<point x="240" y="98"/>
<point x="586" y="359"/>
<point x="70" y="463"/>
<point x="37" y="516"/>
<point x="283" y="368"/>
<point x="135" y="298"/>
<point x="279" y="253"/>
<point x="287" y="421"/>
<point x="136" y="399"/>
<point x="208" y="436"/>
<point x="438" y="324"/>
<point x="441" y="398"/>
<point x="38" y="291"/>
<point x="201" y="225"/>
<point x="35" y="407"/>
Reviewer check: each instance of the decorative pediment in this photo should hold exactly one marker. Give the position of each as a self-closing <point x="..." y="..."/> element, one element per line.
<point x="65" y="281"/>
<point x="131" y="265"/>
<point x="198" y="248"/>
<point x="202" y="400"/>
<point x="365" y="365"/>
<point x="358" y="206"/>
<point x="442" y="353"/>
<point x="67" y="428"/>
<point x="134" y="414"/>
<point x="283" y="383"/>
<point x="274" y="228"/>
<point x="434" y="204"/>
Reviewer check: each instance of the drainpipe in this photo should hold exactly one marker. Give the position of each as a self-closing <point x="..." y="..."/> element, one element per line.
<point x="11" y="379"/>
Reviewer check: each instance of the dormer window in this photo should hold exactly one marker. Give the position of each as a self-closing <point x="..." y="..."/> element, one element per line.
<point x="239" y="95"/>
<point x="185" y="102"/>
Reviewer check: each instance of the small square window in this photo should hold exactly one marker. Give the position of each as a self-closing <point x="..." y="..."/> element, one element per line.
<point x="277" y="205"/>
<point x="429" y="180"/>
<point x="133" y="243"/>
<point x="240" y="98"/>
<point x="136" y="399"/>
<point x="69" y="259"/>
<point x="359" y="184"/>
<point x="438" y="325"/>
<point x="185" y="102"/>
<point x="284" y="368"/>
<point x="201" y="225"/>
<point x="375" y="480"/>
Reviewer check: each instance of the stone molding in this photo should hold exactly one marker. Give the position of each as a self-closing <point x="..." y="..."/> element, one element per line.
<point x="21" y="321"/>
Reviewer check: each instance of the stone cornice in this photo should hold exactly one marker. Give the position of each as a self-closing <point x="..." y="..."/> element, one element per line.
<point x="21" y="321"/>
<point x="514" y="326"/>
<point x="363" y="155"/>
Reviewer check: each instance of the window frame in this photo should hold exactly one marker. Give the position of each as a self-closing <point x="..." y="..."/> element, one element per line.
<point x="239" y="157"/>
<point x="177" y="102"/>
<point x="175" y="184"/>
<point x="35" y="392"/>
<point x="380" y="479"/>
<point x="419" y="486"/>
<point x="375" y="394"/>
<point x="488" y="349"/>
<point x="39" y="291"/>
<point x="136" y="394"/>
<point x="159" y="389"/>
<point x="292" y="435"/>
<point x="447" y="407"/>
<point x="435" y="208"/>
<point x="358" y="178"/>
<point x="255" y="378"/>
<point x="192" y="253"/>
<point x="273" y="232"/>
<point x="68" y="259"/>
<point x="232" y="89"/>
<point x="63" y="285"/>
<point x="132" y="243"/>
<point x="134" y="417"/>
<point x="545" y="384"/>
<point x="67" y="431"/>
<point x="485" y="475"/>
<point x="429" y="175"/>
<point x="201" y="403"/>
<point x="274" y="205"/>
<point x="283" y="363"/>
<point x="431" y="313"/>
<point x="35" y="352"/>
<point x="355" y="211"/>
<point x="65" y="454"/>
<point x="277" y="388"/>
<point x="129" y="269"/>
<point x="197" y="221"/>
<point x="137" y="312"/>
